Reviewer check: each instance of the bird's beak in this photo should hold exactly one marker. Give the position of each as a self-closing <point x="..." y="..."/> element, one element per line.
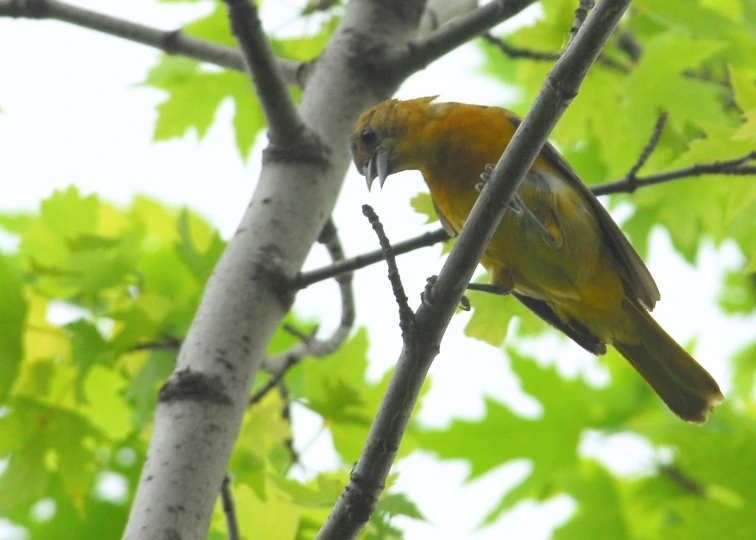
<point x="377" y="165"/>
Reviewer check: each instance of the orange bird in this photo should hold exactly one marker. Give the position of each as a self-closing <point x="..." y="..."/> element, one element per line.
<point x="558" y="251"/>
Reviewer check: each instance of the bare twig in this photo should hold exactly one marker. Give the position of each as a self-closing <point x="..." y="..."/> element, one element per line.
<point x="418" y="54"/>
<point x="285" y="126"/>
<point x="581" y="13"/>
<point x="653" y="142"/>
<point x="357" y="502"/>
<point x="406" y="316"/>
<point x="517" y="52"/>
<point x="274" y="381"/>
<point x="309" y="345"/>
<point x="733" y="167"/>
<point x="173" y="42"/>
<point x="529" y="54"/>
<point x="683" y="481"/>
<point x="168" y="343"/>
<point x="305" y="279"/>
<point x="229" y="509"/>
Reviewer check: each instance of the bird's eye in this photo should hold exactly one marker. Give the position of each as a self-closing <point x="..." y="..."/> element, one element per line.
<point x="368" y="136"/>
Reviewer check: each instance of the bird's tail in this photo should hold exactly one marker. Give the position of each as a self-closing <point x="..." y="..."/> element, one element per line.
<point x="687" y="388"/>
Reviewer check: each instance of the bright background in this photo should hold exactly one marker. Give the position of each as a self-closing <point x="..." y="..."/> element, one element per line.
<point x="74" y="113"/>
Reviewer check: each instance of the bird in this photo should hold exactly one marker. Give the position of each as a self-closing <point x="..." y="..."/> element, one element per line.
<point x="557" y="249"/>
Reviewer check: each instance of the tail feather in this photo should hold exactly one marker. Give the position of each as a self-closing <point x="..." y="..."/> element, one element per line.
<point x="686" y="387"/>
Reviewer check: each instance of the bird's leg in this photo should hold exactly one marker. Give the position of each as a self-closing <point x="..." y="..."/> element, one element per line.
<point x="490" y="288"/>
<point x="519" y="207"/>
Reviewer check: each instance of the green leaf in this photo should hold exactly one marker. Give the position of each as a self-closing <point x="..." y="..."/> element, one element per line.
<point x="308" y="47"/>
<point x="45" y="445"/>
<point x="738" y="294"/>
<point x="744" y="367"/>
<point x="13" y="311"/>
<point x="336" y="387"/>
<point x="199" y="259"/>
<point x="194" y="97"/>
<point x="423" y="204"/>
<point x="88" y="348"/>
<point x="549" y="441"/>
<point x="744" y="85"/>
<point x="600" y="512"/>
<point x="215" y="27"/>
<point x="711" y="460"/>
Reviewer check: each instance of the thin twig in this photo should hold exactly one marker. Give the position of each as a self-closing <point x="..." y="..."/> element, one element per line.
<point x="733" y="167"/>
<point x="305" y="279"/>
<point x="541" y="56"/>
<point x="229" y="509"/>
<point x="173" y="42"/>
<point x="517" y="52"/>
<point x="168" y="343"/>
<point x="406" y="316"/>
<point x="683" y="481"/>
<point x="653" y="142"/>
<point x="417" y="54"/>
<point x="285" y="126"/>
<point x="274" y="381"/>
<point x="309" y="345"/>
<point x="357" y="502"/>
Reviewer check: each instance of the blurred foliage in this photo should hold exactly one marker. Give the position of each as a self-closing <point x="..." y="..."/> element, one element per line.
<point x="95" y="299"/>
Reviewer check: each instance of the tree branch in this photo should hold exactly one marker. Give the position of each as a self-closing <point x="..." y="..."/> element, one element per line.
<point x="357" y="502"/>
<point x="419" y="53"/>
<point x="529" y="54"/>
<point x="173" y="42"/>
<point x="309" y="345"/>
<point x="203" y="402"/>
<point x="732" y="167"/>
<point x="406" y="316"/>
<point x="285" y="126"/>
<point x="229" y="509"/>
<point x="305" y="279"/>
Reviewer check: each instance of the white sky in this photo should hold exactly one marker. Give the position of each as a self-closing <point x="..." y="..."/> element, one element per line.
<point x="73" y="115"/>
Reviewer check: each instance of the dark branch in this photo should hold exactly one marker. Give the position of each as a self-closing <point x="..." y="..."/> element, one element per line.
<point x="229" y="509"/>
<point x="173" y="42"/>
<point x="653" y="142"/>
<point x="305" y="279"/>
<point x="368" y="477"/>
<point x="417" y="54"/>
<point x="168" y="343"/>
<point x="406" y="316"/>
<point x="274" y="381"/>
<point x="285" y="127"/>
<point x="683" y="481"/>
<point x="529" y="54"/>
<point x="733" y="167"/>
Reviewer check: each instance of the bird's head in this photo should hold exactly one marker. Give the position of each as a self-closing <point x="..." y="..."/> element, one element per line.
<point x="387" y="138"/>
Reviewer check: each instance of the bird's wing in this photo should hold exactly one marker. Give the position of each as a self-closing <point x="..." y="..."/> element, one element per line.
<point x="642" y="284"/>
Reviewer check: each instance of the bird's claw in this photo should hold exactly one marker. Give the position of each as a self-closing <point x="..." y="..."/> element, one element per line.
<point x="427" y="295"/>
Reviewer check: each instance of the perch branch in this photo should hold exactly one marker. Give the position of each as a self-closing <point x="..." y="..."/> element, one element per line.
<point x="358" y="500"/>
